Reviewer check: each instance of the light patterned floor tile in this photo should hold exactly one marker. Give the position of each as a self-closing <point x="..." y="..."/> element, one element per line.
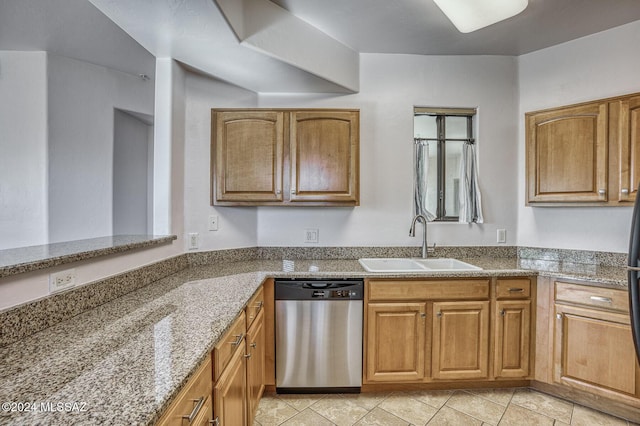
<point x="415" y="412"/>
<point x="301" y="401"/>
<point x="308" y="417"/>
<point x="340" y="411"/>
<point x="367" y="401"/>
<point x="520" y="416"/>
<point x="434" y="398"/>
<point x="544" y="404"/>
<point x="447" y="416"/>
<point x="583" y="416"/>
<point x="499" y="396"/>
<point x="476" y="406"/>
<point x="380" y="417"/>
<point x="273" y="411"/>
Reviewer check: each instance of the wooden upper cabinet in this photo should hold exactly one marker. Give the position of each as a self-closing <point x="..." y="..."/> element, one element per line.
<point x="324" y="156"/>
<point x="584" y="154"/>
<point x="248" y="152"/>
<point x="567" y="154"/>
<point x="624" y="133"/>
<point x="285" y="157"/>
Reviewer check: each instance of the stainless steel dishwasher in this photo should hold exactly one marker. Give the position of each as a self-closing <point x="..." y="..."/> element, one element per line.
<point x="318" y="335"/>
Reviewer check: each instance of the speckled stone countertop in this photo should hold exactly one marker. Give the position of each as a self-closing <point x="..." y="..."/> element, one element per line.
<point x="25" y="259"/>
<point x="124" y="361"/>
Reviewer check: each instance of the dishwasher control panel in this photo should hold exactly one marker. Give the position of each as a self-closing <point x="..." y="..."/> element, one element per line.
<point x="305" y="289"/>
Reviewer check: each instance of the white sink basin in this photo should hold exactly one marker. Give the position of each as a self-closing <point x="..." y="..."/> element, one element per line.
<point x="444" y="264"/>
<point x="415" y="265"/>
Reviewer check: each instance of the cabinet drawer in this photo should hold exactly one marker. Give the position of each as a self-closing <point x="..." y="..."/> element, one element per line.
<point x="254" y="306"/>
<point x="428" y="290"/>
<point x="194" y="399"/>
<point x="513" y="288"/>
<point x="228" y="344"/>
<point x="604" y="298"/>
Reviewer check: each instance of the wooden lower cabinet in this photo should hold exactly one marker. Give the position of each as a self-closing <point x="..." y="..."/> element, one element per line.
<point x="512" y="336"/>
<point x="593" y="350"/>
<point x="255" y="355"/>
<point x="193" y="402"/>
<point x="395" y="341"/>
<point x="460" y="347"/>
<point x="442" y="330"/>
<point x="230" y="393"/>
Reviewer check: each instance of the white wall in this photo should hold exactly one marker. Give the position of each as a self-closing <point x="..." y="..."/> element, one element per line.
<point x="237" y="225"/>
<point x="390" y="86"/>
<point x="130" y="174"/>
<point x="23" y="149"/>
<point x="81" y="102"/>
<point x="594" y="67"/>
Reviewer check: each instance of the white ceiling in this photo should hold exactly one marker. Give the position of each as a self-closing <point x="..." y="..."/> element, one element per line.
<point x="196" y="33"/>
<point x="420" y="27"/>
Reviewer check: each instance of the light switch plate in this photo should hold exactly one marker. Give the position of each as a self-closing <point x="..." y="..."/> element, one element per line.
<point x="502" y="236"/>
<point x="193" y="241"/>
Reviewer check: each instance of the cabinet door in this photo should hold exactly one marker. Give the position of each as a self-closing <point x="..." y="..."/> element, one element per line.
<point x="229" y="393"/>
<point x="255" y="365"/>
<point x="593" y="350"/>
<point x="567" y="154"/>
<point x="512" y="338"/>
<point x="625" y="131"/>
<point x="460" y="345"/>
<point x="248" y="150"/>
<point x="324" y="156"/>
<point x="395" y="341"/>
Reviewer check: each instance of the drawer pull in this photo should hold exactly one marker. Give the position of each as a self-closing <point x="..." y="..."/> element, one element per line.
<point x="502" y="312"/>
<point x="253" y="345"/>
<point x="559" y="316"/>
<point x="196" y="409"/>
<point x="215" y="422"/>
<point x="238" y="339"/>
<point x="247" y="355"/>
<point x="439" y="314"/>
<point x="516" y="290"/>
<point x="601" y="299"/>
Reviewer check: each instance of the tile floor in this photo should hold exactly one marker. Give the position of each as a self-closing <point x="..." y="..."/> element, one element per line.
<point x="479" y="407"/>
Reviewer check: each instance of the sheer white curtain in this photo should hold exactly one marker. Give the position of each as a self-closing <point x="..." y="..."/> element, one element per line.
<point x="421" y="171"/>
<point x="470" y="198"/>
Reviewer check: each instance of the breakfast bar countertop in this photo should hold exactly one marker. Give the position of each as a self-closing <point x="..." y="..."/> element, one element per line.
<point x="124" y="361"/>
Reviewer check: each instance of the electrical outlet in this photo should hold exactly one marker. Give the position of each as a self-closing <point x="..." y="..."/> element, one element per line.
<point x="502" y="236"/>
<point x="59" y="281"/>
<point x="213" y="222"/>
<point x="193" y="241"/>
<point x="311" y="235"/>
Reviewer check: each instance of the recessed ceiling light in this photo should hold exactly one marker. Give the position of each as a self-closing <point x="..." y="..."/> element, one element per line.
<point x="471" y="15"/>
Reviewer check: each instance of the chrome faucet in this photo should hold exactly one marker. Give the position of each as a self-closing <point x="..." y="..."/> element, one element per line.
<point x="412" y="232"/>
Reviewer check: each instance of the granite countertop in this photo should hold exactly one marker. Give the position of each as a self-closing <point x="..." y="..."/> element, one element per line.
<point x="123" y="362"/>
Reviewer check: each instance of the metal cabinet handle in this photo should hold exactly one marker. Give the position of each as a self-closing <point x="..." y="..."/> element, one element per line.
<point x="238" y="339"/>
<point x="559" y="316"/>
<point x="254" y="344"/>
<point x="516" y="290"/>
<point x="423" y="315"/>
<point x="278" y="192"/>
<point x="502" y="312"/>
<point x="439" y="314"/>
<point x="215" y="422"/>
<point x="625" y="191"/>
<point x="293" y="191"/>
<point x="602" y="191"/>
<point x="601" y="299"/>
<point x="196" y="409"/>
<point x="247" y="356"/>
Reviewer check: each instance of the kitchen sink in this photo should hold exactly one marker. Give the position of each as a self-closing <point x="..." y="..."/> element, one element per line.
<point x="401" y="264"/>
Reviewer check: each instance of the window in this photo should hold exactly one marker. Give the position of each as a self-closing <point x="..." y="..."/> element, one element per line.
<point x="441" y="137"/>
